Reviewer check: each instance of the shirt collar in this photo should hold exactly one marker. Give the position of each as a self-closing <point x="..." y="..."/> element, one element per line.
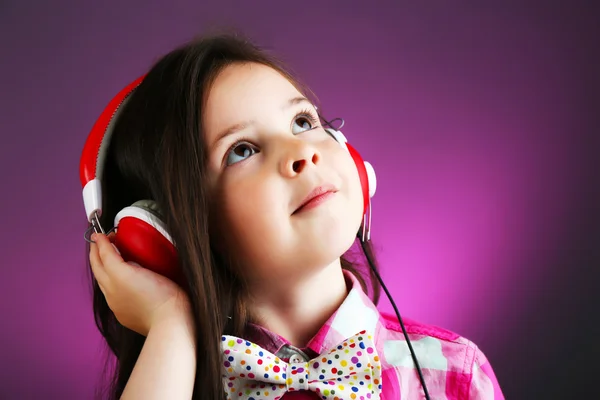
<point x="356" y="313"/>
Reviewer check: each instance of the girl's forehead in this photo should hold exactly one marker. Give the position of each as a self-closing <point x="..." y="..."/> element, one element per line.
<point x="243" y="83"/>
<point x="242" y="93"/>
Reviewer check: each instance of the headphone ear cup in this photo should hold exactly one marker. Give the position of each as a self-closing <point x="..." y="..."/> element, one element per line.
<point x="363" y="173"/>
<point x="372" y="178"/>
<point x="368" y="179"/>
<point x="141" y="237"/>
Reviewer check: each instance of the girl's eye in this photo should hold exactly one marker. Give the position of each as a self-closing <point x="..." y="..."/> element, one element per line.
<point x="239" y="152"/>
<point x="305" y="121"/>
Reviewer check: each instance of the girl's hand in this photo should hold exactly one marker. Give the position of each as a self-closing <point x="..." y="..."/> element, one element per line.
<point x="138" y="297"/>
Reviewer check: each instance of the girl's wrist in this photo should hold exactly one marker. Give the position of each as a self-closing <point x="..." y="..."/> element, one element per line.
<point x="176" y="314"/>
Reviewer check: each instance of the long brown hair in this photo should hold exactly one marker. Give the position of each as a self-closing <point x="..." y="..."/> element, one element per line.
<point x="157" y="152"/>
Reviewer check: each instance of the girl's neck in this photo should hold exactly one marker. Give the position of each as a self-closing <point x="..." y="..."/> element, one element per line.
<point x="298" y="310"/>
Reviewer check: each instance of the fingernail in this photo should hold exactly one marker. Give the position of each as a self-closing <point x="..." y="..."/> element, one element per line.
<point x="94" y="236"/>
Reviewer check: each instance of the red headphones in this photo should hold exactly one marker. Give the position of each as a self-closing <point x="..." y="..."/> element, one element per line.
<point x="141" y="236"/>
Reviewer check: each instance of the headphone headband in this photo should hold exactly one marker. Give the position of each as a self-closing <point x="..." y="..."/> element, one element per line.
<point x="91" y="164"/>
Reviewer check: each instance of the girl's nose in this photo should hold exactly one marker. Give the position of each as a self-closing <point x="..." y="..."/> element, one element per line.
<point x="298" y="156"/>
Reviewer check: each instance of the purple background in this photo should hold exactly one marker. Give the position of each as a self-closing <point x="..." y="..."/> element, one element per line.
<point x="476" y="119"/>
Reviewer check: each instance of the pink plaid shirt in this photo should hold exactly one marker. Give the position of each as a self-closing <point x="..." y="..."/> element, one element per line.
<point x="452" y="366"/>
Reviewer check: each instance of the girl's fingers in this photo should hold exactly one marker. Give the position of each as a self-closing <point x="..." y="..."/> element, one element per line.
<point x="107" y="252"/>
<point x="102" y="289"/>
<point x="97" y="267"/>
<point x="111" y="237"/>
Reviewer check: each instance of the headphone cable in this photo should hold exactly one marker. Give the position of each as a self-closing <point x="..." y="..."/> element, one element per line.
<point x="412" y="352"/>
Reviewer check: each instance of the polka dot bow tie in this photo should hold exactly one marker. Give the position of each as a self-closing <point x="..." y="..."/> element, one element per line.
<point x="351" y="370"/>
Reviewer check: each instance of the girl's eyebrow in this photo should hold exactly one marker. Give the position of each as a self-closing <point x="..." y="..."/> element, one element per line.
<point x="246" y="124"/>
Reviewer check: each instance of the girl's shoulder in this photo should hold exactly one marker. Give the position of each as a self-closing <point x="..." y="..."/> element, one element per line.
<point x="418" y="329"/>
<point x="445" y="348"/>
<point x="454" y="363"/>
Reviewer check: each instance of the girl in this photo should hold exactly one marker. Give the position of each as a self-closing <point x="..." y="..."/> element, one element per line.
<point x="260" y="298"/>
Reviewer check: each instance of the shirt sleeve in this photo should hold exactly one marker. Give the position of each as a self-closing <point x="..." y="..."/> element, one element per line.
<point x="484" y="385"/>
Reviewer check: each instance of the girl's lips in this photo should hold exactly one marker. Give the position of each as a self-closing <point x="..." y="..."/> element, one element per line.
<point x="316" y="197"/>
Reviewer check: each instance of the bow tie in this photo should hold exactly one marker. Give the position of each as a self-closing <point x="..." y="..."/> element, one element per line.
<point x="350" y="370"/>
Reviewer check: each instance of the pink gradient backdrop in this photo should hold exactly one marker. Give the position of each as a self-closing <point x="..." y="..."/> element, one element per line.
<point x="473" y="117"/>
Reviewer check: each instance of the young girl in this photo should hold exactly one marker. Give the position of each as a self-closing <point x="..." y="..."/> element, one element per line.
<point x="222" y="153"/>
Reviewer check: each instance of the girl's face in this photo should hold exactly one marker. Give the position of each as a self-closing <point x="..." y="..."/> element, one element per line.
<point x="267" y="153"/>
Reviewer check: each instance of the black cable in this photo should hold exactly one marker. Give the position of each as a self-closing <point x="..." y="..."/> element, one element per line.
<point x="412" y="352"/>
<point x="372" y="266"/>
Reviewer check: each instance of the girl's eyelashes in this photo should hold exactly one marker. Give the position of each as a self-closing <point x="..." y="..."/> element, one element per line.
<point x="243" y="148"/>
<point x="307" y="117"/>
<point x="240" y="150"/>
